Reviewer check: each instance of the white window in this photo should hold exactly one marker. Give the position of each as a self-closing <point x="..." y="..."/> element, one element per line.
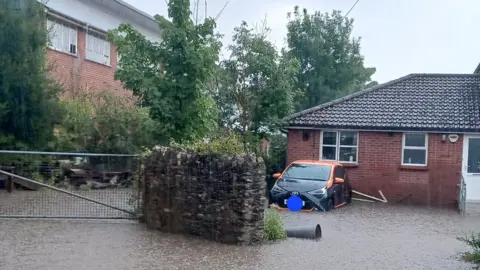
<point x="63" y="37"/>
<point x="340" y="146"/>
<point x="98" y="49"/>
<point x="415" y="149"/>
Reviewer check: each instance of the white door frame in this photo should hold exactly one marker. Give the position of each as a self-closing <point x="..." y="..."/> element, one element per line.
<point x="472" y="180"/>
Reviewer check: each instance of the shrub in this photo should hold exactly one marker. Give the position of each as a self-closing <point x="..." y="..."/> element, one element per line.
<point x="104" y="122"/>
<point x="274" y="227"/>
<point x="276" y="159"/>
<point x="219" y="144"/>
<point x="37" y="176"/>
<point x="473" y="241"/>
<point x="277" y="153"/>
<point x="33" y="167"/>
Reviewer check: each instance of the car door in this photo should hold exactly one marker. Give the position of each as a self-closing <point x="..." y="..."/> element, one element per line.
<point x="338" y="188"/>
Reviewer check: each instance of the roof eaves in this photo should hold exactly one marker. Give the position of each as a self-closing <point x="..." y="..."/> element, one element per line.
<point x="127" y="5"/>
<point x="59" y="15"/>
<point x="356" y="94"/>
<point x="390" y="128"/>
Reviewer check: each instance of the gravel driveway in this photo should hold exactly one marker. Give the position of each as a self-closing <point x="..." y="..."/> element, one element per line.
<point x="359" y="236"/>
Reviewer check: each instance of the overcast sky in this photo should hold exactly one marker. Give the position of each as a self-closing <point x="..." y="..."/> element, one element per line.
<point x="398" y="37"/>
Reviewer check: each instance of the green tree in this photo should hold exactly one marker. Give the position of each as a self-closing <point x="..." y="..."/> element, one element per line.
<point x="171" y="76"/>
<point x="102" y="122"/>
<point x="28" y="99"/>
<point x="331" y="63"/>
<point x="256" y="89"/>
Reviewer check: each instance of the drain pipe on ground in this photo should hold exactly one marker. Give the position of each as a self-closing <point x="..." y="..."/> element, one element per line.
<point x="313" y="232"/>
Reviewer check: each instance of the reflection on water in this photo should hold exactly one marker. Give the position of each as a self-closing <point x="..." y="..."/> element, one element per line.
<point x="360" y="236"/>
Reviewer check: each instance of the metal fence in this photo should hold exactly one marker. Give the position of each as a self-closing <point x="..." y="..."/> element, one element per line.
<point x="462" y="194"/>
<point x="70" y="185"/>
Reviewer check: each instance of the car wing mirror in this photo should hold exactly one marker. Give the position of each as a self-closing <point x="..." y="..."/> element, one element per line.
<point x="339" y="180"/>
<point x="276" y="175"/>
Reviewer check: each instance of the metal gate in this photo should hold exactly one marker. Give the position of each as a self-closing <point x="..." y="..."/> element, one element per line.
<point x="70" y="185"/>
<point x="462" y="195"/>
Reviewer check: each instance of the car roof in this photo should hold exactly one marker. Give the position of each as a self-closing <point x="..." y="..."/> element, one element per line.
<point x="317" y="162"/>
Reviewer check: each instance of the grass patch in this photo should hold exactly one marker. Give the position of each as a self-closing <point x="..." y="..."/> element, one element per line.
<point x="474" y="242"/>
<point x="274" y="228"/>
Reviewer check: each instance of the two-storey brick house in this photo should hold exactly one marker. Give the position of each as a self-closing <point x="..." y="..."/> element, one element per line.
<point x="80" y="57"/>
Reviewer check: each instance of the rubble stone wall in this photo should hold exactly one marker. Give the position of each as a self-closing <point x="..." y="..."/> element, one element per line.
<point x="215" y="197"/>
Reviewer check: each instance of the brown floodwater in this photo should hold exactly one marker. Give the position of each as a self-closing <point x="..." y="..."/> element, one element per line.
<point x="359" y="236"/>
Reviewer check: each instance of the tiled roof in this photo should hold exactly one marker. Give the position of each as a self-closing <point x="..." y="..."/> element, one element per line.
<point x="426" y="102"/>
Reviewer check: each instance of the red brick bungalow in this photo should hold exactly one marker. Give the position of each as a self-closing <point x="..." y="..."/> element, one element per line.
<point x="412" y="138"/>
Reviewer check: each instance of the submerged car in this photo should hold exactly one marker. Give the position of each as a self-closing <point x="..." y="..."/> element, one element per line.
<point x="322" y="185"/>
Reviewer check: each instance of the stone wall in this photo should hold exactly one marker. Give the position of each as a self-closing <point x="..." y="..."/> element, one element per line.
<point x="218" y="198"/>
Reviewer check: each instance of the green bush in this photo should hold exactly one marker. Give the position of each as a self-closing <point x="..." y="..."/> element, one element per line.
<point x="276" y="159"/>
<point x="274" y="228"/>
<point x="103" y="122"/>
<point x="37" y="176"/>
<point x="473" y="241"/>
<point x="219" y="144"/>
<point x="30" y="166"/>
<point x="277" y="153"/>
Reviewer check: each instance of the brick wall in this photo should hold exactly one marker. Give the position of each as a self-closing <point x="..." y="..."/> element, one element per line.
<point x="379" y="167"/>
<point x="76" y="73"/>
<point x="303" y="145"/>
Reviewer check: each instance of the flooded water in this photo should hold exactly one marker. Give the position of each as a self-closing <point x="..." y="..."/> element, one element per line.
<point x="359" y="236"/>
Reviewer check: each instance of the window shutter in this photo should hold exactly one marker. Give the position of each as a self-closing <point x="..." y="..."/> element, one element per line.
<point x="62" y="37"/>
<point x="98" y="50"/>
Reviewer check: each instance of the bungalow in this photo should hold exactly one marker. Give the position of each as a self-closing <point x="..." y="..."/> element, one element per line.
<point x="413" y="138"/>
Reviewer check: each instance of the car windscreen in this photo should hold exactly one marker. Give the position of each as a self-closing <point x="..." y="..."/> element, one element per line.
<point x="316" y="172"/>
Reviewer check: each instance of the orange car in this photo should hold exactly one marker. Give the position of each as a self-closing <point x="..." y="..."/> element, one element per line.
<point x="322" y="185"/>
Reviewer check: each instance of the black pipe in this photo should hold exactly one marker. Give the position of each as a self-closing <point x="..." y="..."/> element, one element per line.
<point x="307" y="232"/>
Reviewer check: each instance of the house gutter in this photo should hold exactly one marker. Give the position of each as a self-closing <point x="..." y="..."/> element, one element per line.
<point x="382" y="130"/>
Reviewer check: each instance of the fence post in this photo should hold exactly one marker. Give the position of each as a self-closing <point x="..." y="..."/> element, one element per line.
<point x="9" y="184"/>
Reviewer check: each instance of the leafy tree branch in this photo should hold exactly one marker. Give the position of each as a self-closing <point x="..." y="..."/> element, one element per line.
<point x="257" y="87"/>
<point x="330" y="59"/>
<point x="170" y="76"/>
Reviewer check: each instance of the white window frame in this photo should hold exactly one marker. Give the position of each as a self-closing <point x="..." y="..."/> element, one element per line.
<point x="72" y="36"/>
<point x="92" y="55"/>
<point x="338" y="146"/>
<point x="404" y="147"/>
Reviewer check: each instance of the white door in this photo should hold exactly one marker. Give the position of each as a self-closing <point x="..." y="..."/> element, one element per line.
<point x="471" y="166"/>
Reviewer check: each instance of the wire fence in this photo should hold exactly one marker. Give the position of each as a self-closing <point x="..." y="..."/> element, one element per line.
<point x="70" y="185"/>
